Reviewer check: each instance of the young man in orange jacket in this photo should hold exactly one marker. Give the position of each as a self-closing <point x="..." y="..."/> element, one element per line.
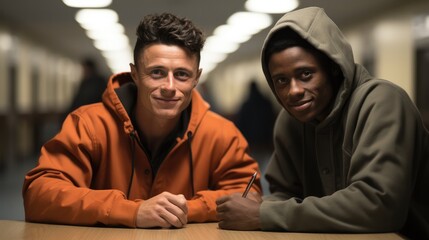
<point x="151" y="154"/>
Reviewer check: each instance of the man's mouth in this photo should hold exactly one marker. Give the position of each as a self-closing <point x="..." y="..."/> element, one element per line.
<point x="167" y="100"/>
<point x="300" y="106"/>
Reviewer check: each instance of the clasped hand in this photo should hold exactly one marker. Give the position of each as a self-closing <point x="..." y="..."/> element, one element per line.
<point x="164" y="210"/>
<point x="238" y="213"/>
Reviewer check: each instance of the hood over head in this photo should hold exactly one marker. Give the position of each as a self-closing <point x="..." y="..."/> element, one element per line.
<point x="314" y="26"/>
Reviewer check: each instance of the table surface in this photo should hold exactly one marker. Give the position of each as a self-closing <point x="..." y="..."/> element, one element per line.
<point x="17" y="230"/>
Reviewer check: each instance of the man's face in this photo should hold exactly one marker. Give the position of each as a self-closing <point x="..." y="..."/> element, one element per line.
<point x="301" y="84"/>
<point x="165" y="76"/>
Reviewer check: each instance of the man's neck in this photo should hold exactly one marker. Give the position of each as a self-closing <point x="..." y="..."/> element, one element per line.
<point x="154" y="130"/>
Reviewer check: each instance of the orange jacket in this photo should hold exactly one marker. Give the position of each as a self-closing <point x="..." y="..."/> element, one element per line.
<point x="84" y="172"/>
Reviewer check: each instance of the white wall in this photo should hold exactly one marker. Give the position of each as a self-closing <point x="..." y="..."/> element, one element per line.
<point x="5" y="42"/>
<point x="57" y="75"/>
<point x="392" y="37"/>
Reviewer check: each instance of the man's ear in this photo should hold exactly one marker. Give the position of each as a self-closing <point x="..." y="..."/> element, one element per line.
<point x="197" y="79"/>
<point x="134" y="73"/>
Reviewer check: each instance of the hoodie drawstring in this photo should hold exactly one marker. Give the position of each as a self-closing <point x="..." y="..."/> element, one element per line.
<point x="133" y="147"/>
<point x="191" y="163"/>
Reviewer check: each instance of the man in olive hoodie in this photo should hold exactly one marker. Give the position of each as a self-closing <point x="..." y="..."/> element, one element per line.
<point x="351" y="151"/>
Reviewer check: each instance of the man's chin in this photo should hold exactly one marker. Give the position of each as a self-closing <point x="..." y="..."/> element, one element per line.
<point x="304" y="118"/>
<point x="168" y="114"/>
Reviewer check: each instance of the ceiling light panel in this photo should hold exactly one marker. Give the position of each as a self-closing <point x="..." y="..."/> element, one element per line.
<point x="87" y="3"/>
<point x="271" y="6"/>
<point x="250" y="22"/>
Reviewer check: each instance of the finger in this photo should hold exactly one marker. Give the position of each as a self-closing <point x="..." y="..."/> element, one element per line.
<point x="184" y="203"/>
<point x="221" y="200"/>
<point x="163" y="223"/>
<point x="176" y="206"/>
<point x="172" y="219"/>
<point x="179" y="216"/>
<point x="223" y="225"/>
<point x="179" y="201"/>
<point x="179" y="208"/>
<point x="220" y="216"/>
<point x="176" y="214"/>
<point x="221" y="207"/>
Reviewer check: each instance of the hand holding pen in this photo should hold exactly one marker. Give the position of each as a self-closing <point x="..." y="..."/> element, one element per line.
<point x="239" y="213"/>
<point x="249" y="185"/>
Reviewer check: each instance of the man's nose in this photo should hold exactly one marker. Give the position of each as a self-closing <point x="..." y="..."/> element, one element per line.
<point x="168" y="87"/>
<point x="170" y="80"/>
<point x="295" y="87"/>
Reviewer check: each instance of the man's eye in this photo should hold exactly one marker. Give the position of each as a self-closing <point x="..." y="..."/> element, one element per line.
<point x="281" y="80"/>
<point x="306" y="74"/>
<point x="157" y="73"/>
<point x="182" y="75"/>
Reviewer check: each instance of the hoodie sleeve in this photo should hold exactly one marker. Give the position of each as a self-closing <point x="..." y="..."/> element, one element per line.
<point x="58" y="189"/>
<point x="381" y="175"/>
<point x="231" y="168"/>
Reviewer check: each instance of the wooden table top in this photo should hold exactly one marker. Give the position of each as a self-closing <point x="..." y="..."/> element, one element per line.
<point x="18" y="230"/>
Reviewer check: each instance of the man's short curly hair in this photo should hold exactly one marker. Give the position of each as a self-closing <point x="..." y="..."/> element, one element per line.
<point x="168" y="29"/>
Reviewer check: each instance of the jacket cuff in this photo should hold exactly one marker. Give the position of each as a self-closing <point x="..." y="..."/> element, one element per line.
<point x="271" y="219"/>
<point x="124" y="213"/>
<point x="197" y="211"/>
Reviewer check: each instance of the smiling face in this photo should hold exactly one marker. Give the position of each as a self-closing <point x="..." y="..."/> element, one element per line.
<point x="301" y="84"/>
<point x="165" y="76"/>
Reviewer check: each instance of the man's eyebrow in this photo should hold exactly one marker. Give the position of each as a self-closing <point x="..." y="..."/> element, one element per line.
<point x="155" y="66"/>
<point x="277" y="75"/>
<point x="300" y="68"/>
<point x="183" y="69"/>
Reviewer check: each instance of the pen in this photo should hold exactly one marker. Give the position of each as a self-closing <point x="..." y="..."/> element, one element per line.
<point x="249" y="185"/>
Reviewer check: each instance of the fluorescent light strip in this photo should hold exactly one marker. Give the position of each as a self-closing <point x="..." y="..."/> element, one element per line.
<point x="96" y="18"/>
<point x="87" y="3"/>
<point x="271" y="6"/>
<point x="240" y="27"/>
<point x="102" y="26"/>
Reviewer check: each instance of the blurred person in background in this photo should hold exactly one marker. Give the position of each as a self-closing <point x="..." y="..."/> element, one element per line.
<point x="89" y="91"/>
<point x="255" y="119"/>
<point x="91" y="87"/>
<point x="350" y="150"/>
<point x="151" y="154"/>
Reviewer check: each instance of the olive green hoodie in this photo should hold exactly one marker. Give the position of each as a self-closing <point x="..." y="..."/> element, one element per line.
<point x="364" y="168"/>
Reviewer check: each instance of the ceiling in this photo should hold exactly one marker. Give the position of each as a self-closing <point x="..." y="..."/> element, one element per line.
<point x="51" y="23"/>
